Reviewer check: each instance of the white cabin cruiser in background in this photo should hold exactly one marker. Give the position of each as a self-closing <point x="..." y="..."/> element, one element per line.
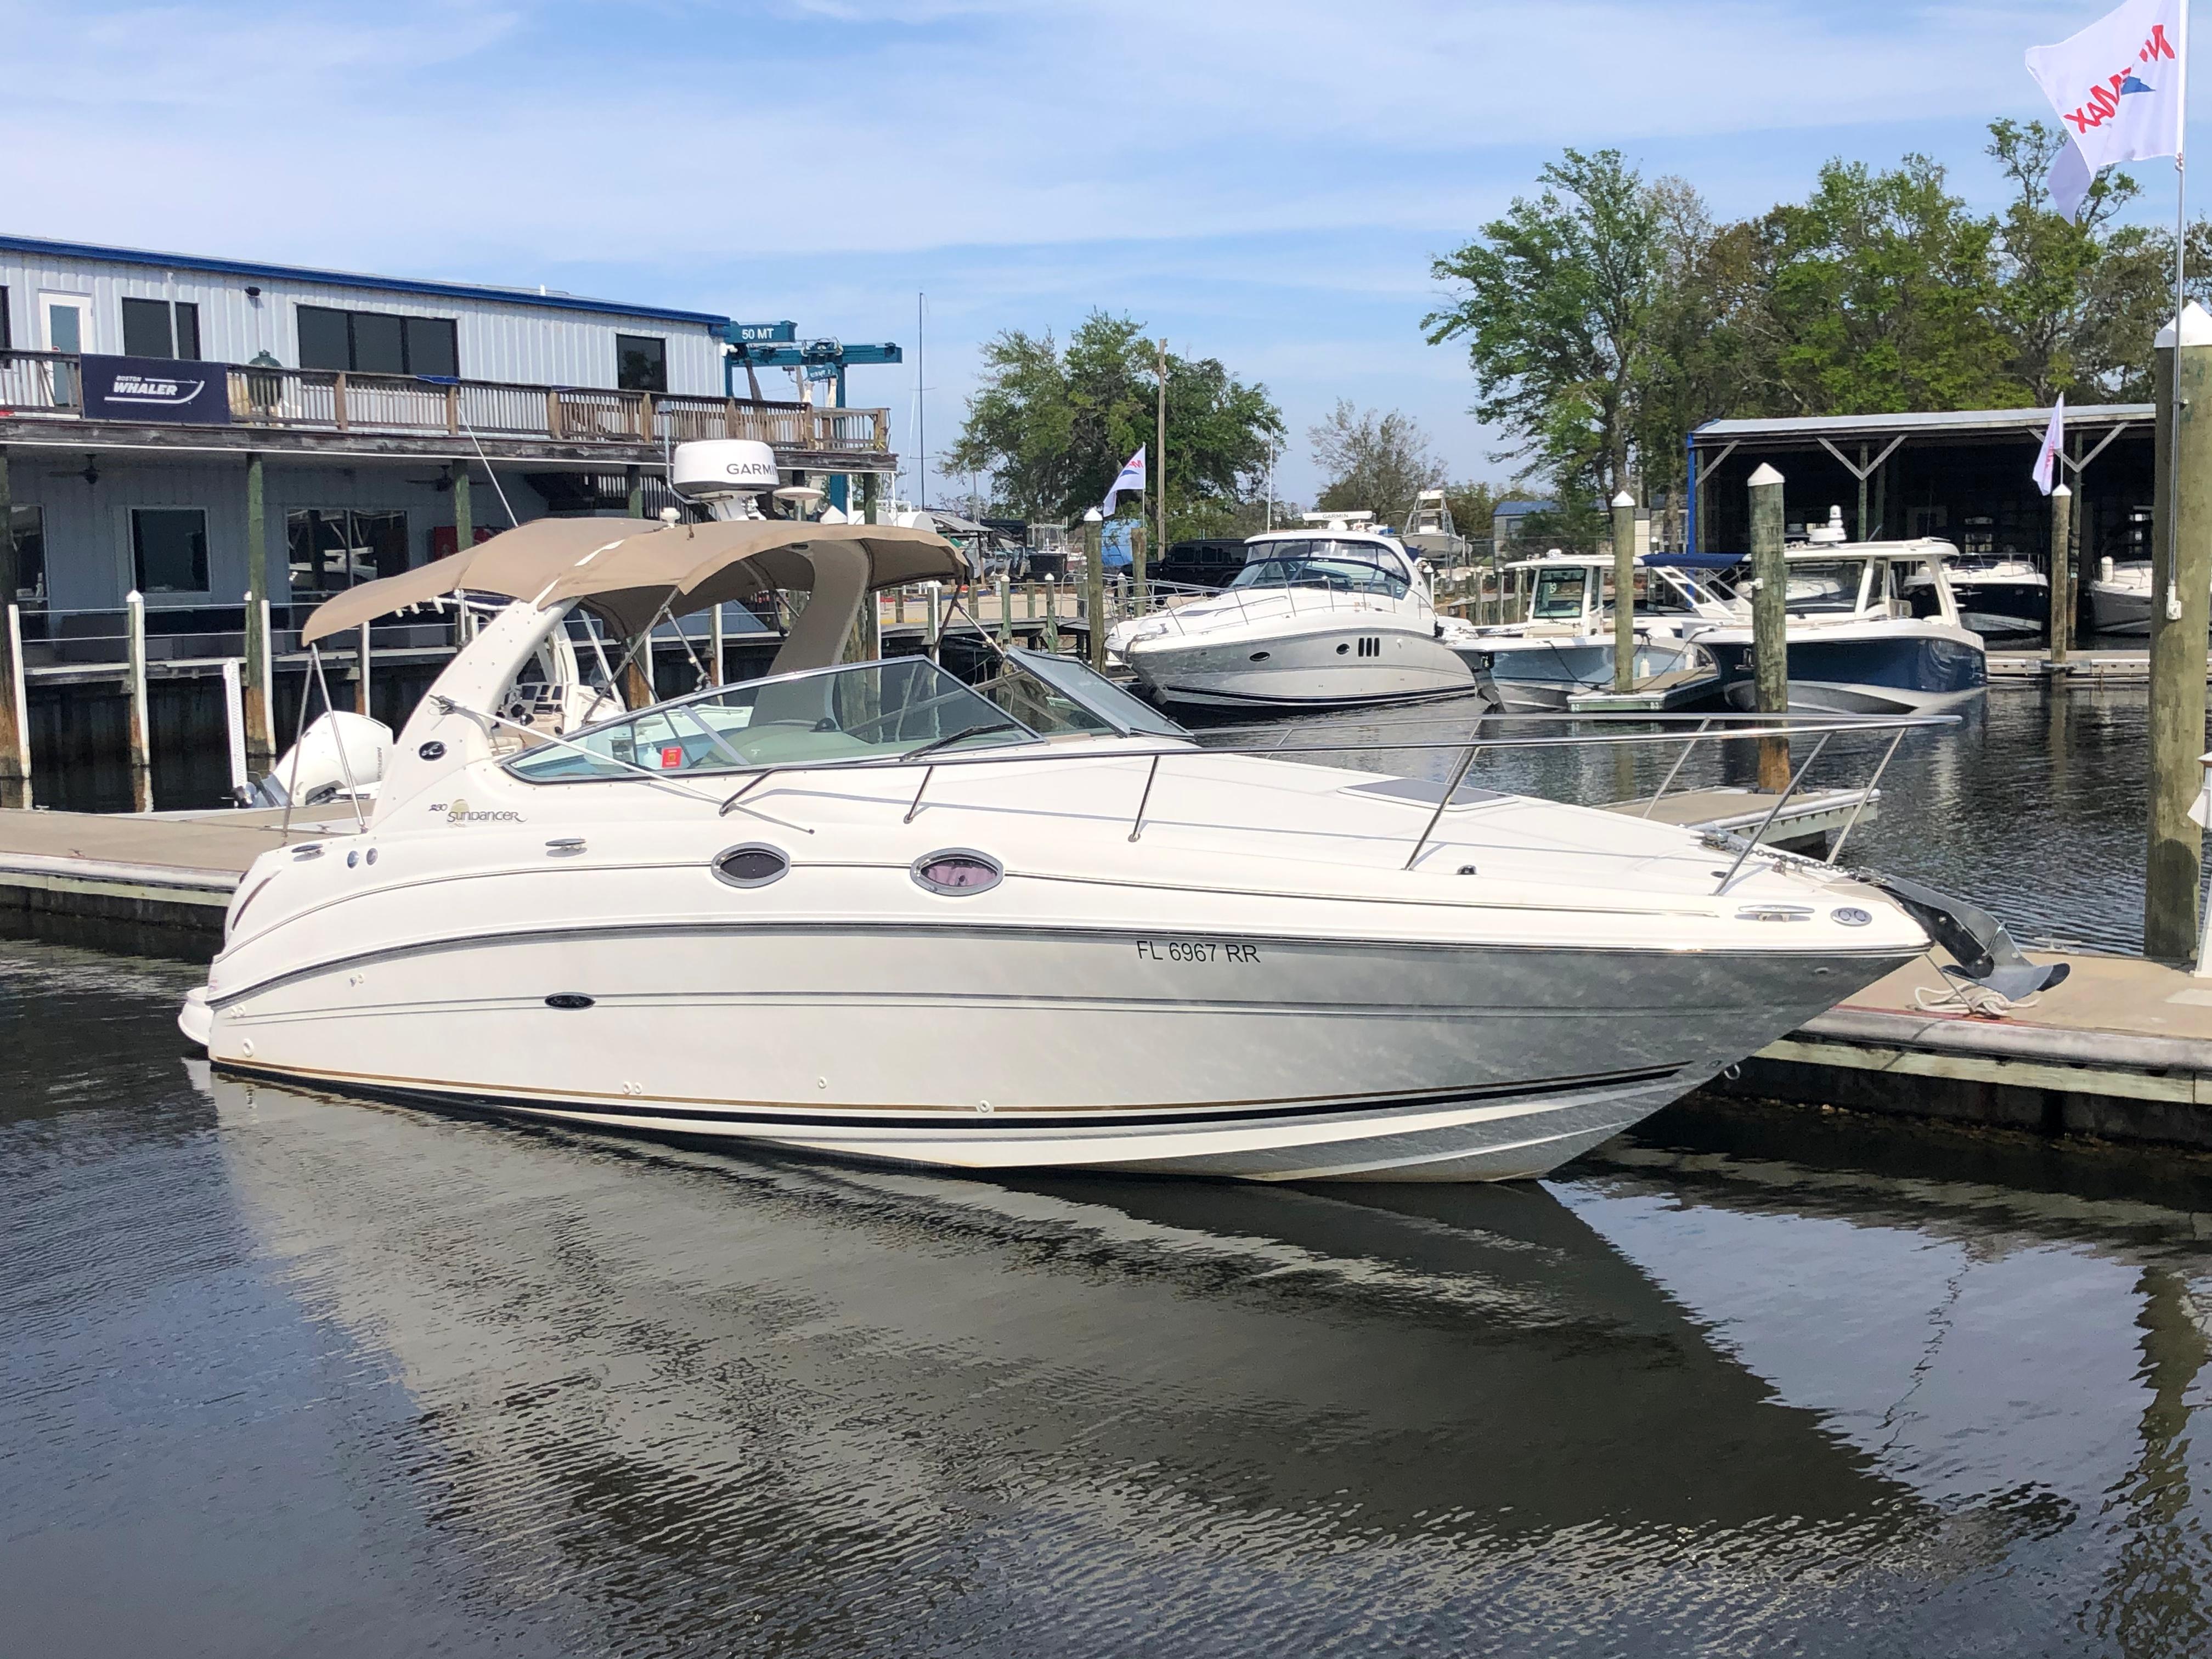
<point x="1997" y="595"/>
<point x="2118" y="599"/>
<point x="1334" y="616"/>
<point x="863" y="908"/>
<point x="1855" y="644"/>
<point x="1564" y="648"/>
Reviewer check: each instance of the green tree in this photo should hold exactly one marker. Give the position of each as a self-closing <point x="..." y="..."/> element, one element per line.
<point x="2067" y="291"/>
<point x="1884" y="295"/>
<point x="1556" y="313"/>
<point x="1472" y="505"/>
<point x="1371" y="460"/>
<point x="1052" y="426"/>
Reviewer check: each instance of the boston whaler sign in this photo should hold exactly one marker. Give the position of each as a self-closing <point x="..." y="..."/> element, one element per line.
<point x="156" y="389"/>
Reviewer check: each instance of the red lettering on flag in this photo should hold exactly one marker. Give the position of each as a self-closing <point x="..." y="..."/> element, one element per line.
<point x="2084" y="119"/>
<point x="2158" y="45"/>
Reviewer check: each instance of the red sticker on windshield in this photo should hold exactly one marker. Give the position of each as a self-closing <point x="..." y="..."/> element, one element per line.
<point x="671" y="759"/>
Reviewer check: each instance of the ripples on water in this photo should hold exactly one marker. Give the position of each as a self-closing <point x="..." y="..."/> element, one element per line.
<point x="284" y="1374"/>
<point x="2032" y="806"/>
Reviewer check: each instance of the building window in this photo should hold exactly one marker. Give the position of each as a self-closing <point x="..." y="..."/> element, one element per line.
<point x="6" y="343"/>
<point x="157" y="328"/>
<point x="640" y="363"/>
<point x="376" y="343"/>
<point x="169" y="549"/>
<point x="334" y="547"/>
<point x="27" y="530"/>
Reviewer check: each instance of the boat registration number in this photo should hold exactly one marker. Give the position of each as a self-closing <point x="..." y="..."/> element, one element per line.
<point x="1195" y="949"/>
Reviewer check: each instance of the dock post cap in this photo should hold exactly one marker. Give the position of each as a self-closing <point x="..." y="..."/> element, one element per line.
<point x="2061" y="489"/>
<point x="2195" y="329"/>
<point x="1624" y="499"/>
<point x="1766" y="475"/>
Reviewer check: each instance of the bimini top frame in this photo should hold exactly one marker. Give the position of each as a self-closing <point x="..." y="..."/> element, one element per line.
<point x="631" y="571"/>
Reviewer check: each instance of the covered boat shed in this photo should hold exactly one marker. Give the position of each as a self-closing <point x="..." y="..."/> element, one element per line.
<point x="1964" y="475"/>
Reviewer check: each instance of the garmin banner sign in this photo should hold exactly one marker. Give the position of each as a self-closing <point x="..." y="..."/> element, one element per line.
<point x="156" y="389"/>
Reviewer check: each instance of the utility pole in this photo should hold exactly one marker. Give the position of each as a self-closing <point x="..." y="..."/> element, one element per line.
<point x="2181" y="596"/>
<point x="1770" y="621"/>
<point x="1624" y="592"/>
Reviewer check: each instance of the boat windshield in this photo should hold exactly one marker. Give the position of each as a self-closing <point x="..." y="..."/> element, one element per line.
<point x="1560" y="594"/>
<point x="874" y="711"/>
<point x="1820" y="588"/>
<point x="1342" y="567"/>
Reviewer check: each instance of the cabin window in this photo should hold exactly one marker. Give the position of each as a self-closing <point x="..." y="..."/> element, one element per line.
<point x="755" y="865"/>
<point x="160" y="328"/>
<point x="957" y="870"/>
<point x="169" y="549"/>
<point x="376" y="343"/>
<point x="26" y="532"/>
<point x="7" y="341"/>
<point x="640" y="363"/>
<point x="332" y="548"/>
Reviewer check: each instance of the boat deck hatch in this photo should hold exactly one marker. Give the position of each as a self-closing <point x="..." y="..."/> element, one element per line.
<point x="1426" y="791"/>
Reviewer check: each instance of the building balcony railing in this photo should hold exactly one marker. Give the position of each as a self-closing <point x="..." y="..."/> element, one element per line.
<point x="51" y="383"/>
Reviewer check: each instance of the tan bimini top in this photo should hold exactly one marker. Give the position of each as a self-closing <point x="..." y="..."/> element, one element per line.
<point x="628" y="569"/>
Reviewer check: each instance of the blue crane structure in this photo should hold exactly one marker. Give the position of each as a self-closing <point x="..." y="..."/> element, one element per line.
<point x="753" y="346"/>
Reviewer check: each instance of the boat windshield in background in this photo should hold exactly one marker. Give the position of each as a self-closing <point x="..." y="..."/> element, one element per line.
<point x="1335" y="566"/>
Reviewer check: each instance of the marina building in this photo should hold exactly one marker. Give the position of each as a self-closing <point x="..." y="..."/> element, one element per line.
<point x="1963" y="475"/>
<point x="166" y="418"/>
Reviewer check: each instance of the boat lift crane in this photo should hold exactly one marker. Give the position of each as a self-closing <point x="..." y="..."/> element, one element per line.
<point x="756" y="346"/>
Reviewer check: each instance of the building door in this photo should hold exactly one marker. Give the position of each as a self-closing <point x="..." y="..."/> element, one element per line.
<point x="65" y="320"/>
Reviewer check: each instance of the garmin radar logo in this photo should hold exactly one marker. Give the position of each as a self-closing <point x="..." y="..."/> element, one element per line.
<point x="755" y="472"/>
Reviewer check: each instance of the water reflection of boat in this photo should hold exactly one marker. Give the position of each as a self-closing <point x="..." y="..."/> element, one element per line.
<point x="615" y="1347"/>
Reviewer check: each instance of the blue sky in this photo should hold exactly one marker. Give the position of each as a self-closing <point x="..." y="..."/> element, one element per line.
<point x="1261" y="182"/>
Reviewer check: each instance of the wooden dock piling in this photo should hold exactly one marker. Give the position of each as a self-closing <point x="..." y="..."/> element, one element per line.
<point x="141" y="722"/>
<point x="2062" y="574"/>
<point x="15" y="722"/>
<point x="1094" y="587"/>
<point x="1770" y="621"/>
<point x="1624" y="592"/>
<point x="260" y="712"/>
<point x="2181" y="597"/>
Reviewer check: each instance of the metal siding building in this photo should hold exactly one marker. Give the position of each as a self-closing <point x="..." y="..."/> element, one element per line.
<point x="506" y="335"/>
<point x="362" y="465"/>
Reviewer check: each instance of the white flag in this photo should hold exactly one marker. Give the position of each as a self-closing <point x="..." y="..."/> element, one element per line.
<point x="2054" y="440"/>
<point x="1131" y="476"/>
<point x="2120" y="87"/>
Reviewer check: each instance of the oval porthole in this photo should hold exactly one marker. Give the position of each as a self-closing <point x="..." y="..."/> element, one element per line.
<point x="1261" y="656"/>
<point x="957" y="870"/>
<point x="1341" y="649"/>
<point x="567" y="1000"/>
<point x="751" y="866"/>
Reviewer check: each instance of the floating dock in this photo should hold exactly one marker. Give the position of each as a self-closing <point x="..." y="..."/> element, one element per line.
<point x="2121" y="1049"/>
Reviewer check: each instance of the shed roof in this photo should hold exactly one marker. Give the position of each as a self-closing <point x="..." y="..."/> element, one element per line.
<point x="1516" y="509"/>
<point x="247" y="268"/>
<point x="1936" y="423"/>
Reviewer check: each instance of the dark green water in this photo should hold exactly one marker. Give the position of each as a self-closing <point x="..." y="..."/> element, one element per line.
<point x="287" y="1375"/>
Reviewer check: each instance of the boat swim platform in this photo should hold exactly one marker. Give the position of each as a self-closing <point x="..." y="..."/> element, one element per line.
<point x="2120" y="1050"/>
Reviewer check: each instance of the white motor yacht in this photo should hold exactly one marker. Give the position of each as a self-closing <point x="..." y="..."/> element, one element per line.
<point x="865" y="909"/>
<point x="1336" y="619"/>
<point x="1855" y="645"/>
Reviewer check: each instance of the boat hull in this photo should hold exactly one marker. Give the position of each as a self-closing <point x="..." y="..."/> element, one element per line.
<point x="1261" y="1058"/>
<point x="2116" y="608"/>
<point x="1356" y="663"/>
<point x="1892" y="672"/>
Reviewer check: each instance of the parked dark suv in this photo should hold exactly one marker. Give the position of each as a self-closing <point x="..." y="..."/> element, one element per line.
<point x="1210" y="564"/>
